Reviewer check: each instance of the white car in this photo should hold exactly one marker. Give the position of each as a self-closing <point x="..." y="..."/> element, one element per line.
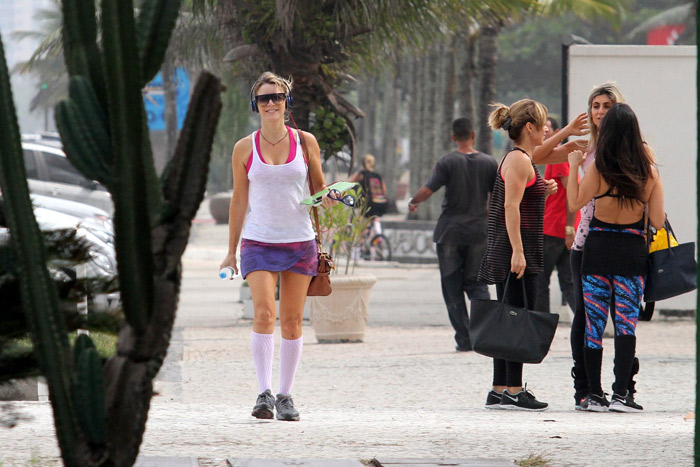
<point x="49" y="173"/>
<point x="103" y="258"/>
<point x="99" y="222"/>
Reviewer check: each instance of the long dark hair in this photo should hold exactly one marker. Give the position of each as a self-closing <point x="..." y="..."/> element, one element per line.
<point x="620" y="157"/>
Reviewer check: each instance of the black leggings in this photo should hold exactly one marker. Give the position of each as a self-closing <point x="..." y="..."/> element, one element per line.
<point x="505" y="372"/>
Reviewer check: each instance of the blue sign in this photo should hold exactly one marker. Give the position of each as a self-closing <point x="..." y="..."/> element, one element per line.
<point x="154" y="100"/>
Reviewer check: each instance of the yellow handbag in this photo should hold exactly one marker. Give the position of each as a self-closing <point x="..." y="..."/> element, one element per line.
<point x="660" y="241"/>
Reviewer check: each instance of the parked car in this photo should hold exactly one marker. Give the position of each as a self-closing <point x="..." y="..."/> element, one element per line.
<point x="49" y="173"/>
<point x="99" y="222"/>
<point x="103" y="258"/>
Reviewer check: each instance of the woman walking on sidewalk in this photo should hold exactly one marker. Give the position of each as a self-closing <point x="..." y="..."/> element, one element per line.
<point x="623" y="182"/>
<point x="270" y="177"/>
<point x="514" y="245"/>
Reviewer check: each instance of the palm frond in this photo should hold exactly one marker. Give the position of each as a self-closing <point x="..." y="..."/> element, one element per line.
<point x="681" y="14"/>
<point x="610" y="10"/>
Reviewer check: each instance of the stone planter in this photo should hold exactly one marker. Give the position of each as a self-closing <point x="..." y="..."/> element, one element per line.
<point x="342" y="315"/>
<point x="219" y="207"/>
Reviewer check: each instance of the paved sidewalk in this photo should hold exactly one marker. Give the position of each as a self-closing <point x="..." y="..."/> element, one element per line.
<point x="402" y="394"/>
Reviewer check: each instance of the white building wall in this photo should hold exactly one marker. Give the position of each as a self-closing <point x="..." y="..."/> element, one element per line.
<point x="659" y="83"/>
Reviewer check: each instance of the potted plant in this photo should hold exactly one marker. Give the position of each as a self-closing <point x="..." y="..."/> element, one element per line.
<point x="342" y="316"/>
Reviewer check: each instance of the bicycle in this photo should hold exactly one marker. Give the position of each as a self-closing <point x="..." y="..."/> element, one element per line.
<point x="375" y="245"/>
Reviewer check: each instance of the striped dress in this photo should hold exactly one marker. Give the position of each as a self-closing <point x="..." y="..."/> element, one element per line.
<point x="495" y="265"/>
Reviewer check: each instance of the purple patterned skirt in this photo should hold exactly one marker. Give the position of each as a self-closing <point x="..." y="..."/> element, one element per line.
<point x="299" y="257"/>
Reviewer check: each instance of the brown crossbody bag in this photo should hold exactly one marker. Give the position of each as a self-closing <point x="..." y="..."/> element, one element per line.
<point x="321" y="283"/>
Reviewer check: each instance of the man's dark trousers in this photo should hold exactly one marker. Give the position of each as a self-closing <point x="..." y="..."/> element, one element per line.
<point x="555" y="254"/>
<point x="459" y="266"/>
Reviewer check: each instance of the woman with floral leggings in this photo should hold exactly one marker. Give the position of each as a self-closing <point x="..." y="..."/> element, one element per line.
<point x="625" y="185"/>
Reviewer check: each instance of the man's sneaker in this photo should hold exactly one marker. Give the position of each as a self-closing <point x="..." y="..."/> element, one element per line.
<point x="631" y="402"/>
<point x="596" y="403"/>
<point x="493" y="400"/>
<point x="285" y="408"/>
<point x="581" y="403"/>
<point x="524" y="400"/>
<point x="264" y="406"/>
<point x="624" y="403"/>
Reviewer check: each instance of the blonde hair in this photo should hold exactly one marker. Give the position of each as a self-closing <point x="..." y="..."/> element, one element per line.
<point x="606" y="89"/>
<point x="513" y="118"/>
<point x="271" y="78"/>
<point x="368" y="162"/>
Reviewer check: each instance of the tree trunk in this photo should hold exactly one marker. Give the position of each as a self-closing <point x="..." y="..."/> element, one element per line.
<point x="227" y="12"/>
<point x="488" y="59"/>
<point x="390" y="130"/>
<point x="364" y="104"/>
<point x="467" y="70"/>
<point x="369" y="123"/>
<point x="448" y="96"/>
<point x="168" y="71"/>
<point x="415" y="111"/>
<point x="432" y="104"/>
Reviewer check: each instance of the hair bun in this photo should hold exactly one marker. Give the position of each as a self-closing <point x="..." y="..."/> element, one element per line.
<point x="506" y="123"/>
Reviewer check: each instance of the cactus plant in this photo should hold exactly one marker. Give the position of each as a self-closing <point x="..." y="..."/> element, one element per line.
<point x="100" y="410"/>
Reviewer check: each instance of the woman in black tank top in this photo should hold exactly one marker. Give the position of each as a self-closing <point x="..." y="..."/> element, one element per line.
<point x="514" y="245"/>
<point x="624" y="182"/>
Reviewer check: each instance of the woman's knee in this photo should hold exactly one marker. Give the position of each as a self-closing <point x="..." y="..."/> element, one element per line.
<point x="264" y="314"/>
<point x="291" y="323"/>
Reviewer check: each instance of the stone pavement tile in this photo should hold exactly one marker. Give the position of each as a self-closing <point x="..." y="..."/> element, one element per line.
<point x="152" y="461"/>
<point x="444" y="462"/>
<point x="293" y="462"/>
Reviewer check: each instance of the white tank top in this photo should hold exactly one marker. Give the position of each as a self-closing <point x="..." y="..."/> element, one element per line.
<point x="275" y="214"/>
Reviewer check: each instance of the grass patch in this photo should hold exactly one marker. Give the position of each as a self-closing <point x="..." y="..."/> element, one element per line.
<point x="535" y="460"/>
<point x="105" y="343"/>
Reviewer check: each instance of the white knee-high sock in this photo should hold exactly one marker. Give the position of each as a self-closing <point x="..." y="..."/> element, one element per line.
<point x="290" y="355"/>
<point x="263" y="347"/>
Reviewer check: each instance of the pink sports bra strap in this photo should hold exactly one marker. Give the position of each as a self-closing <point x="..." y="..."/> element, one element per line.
<point x="250" y="162"/>
<point x="257" y="145"/>
<point x="292" y="147"/>
<point x="528" y="185"/>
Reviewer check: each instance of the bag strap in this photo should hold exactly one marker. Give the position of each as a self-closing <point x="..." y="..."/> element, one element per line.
<point x="669" y="231"/>
<point x="304" y="153"/>
<point x="505" y="288"/>
<point x="647" y="227"/>
<point x="667" y="227"/>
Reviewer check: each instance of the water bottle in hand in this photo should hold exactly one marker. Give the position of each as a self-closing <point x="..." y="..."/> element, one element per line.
<point x="227" y="273"/>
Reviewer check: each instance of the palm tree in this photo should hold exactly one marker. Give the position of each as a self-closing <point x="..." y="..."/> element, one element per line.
<point x="488" y="46"/>
<point x="317" y="44"/>
<point x="47" y="61"/>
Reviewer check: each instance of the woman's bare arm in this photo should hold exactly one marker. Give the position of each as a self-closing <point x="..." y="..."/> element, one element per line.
<point x="516" y="171"/>
<point x="551" y="153"/>
<point x="657" y="215"/>
<point x="239" y="200"/>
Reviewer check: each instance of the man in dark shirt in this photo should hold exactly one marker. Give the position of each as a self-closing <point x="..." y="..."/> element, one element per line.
<point x="468" y="177"/>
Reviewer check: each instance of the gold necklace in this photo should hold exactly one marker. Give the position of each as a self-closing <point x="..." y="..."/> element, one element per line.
<point x="275" y="143"/>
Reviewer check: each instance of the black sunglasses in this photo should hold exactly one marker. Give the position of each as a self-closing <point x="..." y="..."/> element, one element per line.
<point x="276" y="98"/>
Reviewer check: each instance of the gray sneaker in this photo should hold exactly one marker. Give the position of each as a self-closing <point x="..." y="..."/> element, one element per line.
<point x="285" y="408"/>
<point x="596" y="403"/>
<point x="523" y="400"/>
<point x="264" y="406"/>
<point x="623" y="403"/>
<point x="493" y="400"/>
